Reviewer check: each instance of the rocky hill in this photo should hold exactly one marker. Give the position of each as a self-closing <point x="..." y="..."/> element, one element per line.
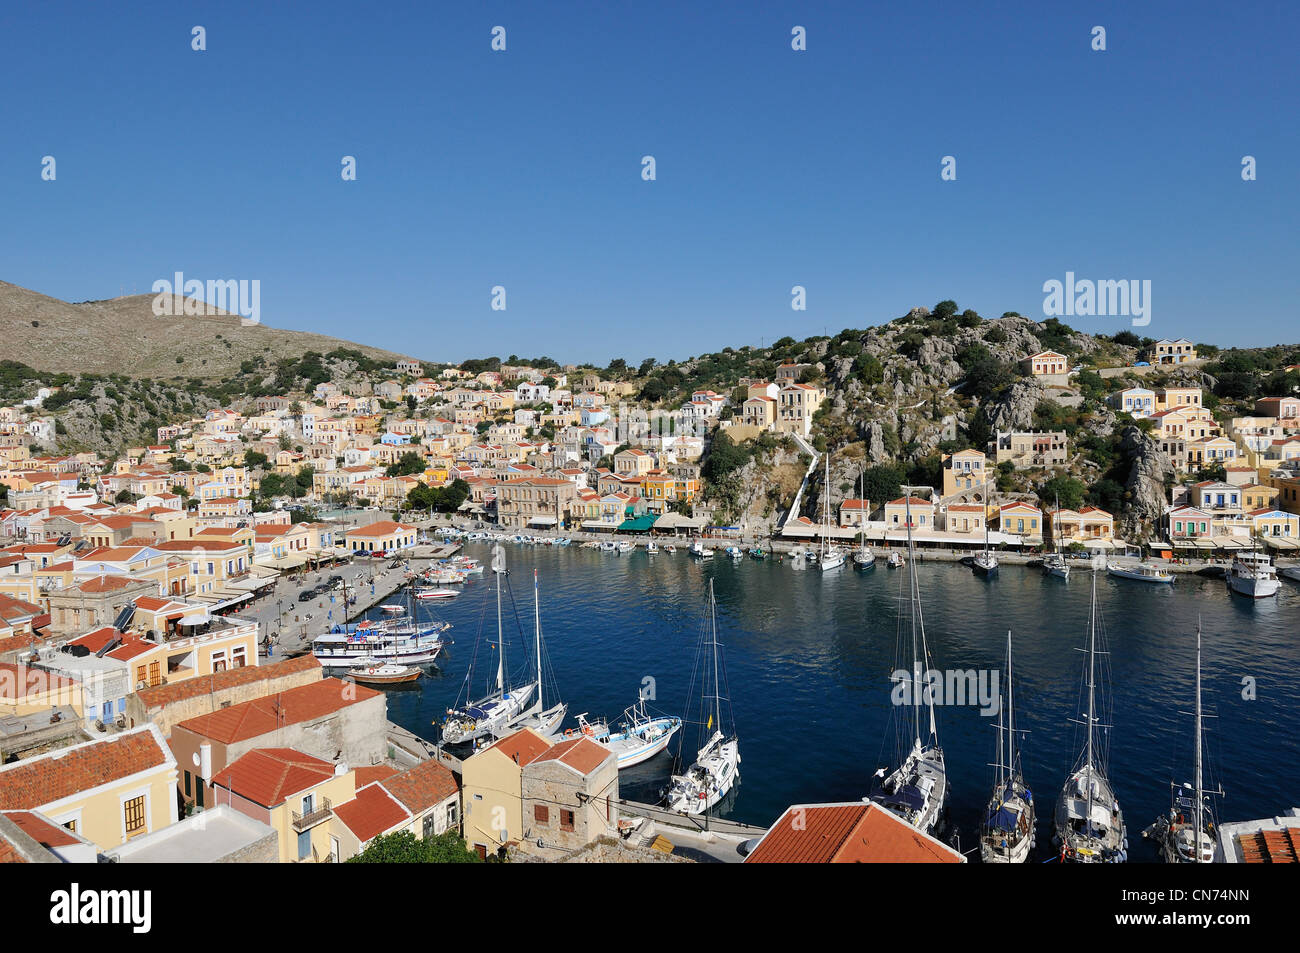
<point x="123" y="336"/>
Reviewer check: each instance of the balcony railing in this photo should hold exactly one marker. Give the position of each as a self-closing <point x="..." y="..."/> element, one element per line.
<point x="323" y="812"/>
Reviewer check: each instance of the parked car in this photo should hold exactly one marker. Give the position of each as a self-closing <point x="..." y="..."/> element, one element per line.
<point x="307" y="595"/>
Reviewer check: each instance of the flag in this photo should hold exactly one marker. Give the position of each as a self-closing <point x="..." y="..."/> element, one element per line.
<point x="710" y="724"/>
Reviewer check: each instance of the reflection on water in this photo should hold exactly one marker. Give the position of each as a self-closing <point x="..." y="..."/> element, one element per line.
<point x="809" y="655"/>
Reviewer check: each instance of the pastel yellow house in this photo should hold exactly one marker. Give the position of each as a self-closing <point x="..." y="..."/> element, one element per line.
<point x="293" y="793"/>
<point x="108" y="790"/>
<point x="1021" y="519"/>
<point x="492" y="790"/>
<point x="964" y="470"/>
<point x="1169" y="397"/>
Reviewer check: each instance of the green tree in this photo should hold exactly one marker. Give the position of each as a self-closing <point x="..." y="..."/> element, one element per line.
<point x="408" y="464"/>
<point x="254" y="459"/>
<point x="403" y="847"/>
<point x="1068" y="490"/>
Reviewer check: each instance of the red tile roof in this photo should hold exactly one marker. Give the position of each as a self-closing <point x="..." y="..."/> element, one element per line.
<point x="267" y="776"/>
<point x="1271" y="847"/>
<point x="421" y="787"/>
<point x="20" y="680"/>
<point x="847" y="833"/>
<point x="42" y="830"/>
<point x="219" y="681"/>
<point x="29" y="784"/>
<point x="581" y="754"/>
<point x="369" y="774"/>
<point x="262" y="715"/>
<point x="372" y="812"/>
<point x="522" y="747"/>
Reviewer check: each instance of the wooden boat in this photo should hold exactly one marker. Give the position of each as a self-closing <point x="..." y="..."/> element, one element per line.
<point x="384" y="673"/>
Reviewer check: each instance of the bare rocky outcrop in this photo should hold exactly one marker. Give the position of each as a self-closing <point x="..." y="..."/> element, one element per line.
<point x="1144" y="494"/>
<point x="1013" y="409"/>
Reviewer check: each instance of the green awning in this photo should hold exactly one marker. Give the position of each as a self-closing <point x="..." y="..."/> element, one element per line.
<point x="641" y="524"/>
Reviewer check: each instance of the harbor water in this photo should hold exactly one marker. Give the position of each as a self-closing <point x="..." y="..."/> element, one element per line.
<point x="809" y="657"/>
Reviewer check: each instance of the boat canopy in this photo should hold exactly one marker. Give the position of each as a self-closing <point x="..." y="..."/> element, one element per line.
<point x="1002" y="819"/>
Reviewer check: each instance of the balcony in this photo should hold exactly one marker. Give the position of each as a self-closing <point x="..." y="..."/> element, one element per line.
<point x="324" y="812"/>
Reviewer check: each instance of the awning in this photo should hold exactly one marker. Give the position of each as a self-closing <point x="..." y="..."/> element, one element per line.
<point x="1224" y="542"/>
<point x="543" y="521"/>
<point x="599" y="524"/>
<point x="292" y="561"/>
<point x="195" y="617"/>
<point x="640" y="524"/>
<point x="1280" y="542"/>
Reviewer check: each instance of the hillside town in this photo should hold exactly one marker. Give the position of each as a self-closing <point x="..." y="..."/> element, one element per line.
<point x="152" y="705"/>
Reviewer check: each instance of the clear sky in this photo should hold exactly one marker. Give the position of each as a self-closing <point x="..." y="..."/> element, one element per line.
<point x="774" y="167"/>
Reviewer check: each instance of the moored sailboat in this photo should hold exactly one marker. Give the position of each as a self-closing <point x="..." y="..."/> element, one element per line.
<point x="831" y="556"/>
<point x="717" y="763"/>
<point x="1186" y="835"/>
<point x="917" y="790"/>
<point x="985" y="563"/>
<point x="1007" y="833"/>
<point x="1089" y="824"/>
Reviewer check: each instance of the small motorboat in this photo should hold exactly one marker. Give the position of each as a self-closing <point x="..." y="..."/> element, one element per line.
<point x="651" y="548"/>
<point x="1291" y="572"/>
<point x="670" y="548"/>
<point x="393" y="609"/>
<point x="383" y="673"/>
<point x="429" y="594"/>
<point x="1140" y="573"/>
<point x="625" y="547"/>
<point x="700" y="550"/>
<point x="758" y="552"/>
<point x="735" y="552"/>
<point x="895" y="560"/>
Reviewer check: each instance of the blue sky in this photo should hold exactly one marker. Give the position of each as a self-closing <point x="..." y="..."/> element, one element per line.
<point x="775" y="168"/>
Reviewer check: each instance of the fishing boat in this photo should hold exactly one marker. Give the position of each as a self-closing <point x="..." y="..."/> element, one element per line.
<point x="985" y="562"/>
<point x="1142" y="572"/>
<point x="393" y="609"/>
<point x="1252" y="574"/>
<point x="717" y="763"/>
<point x="758" y="552"/>
<point x="1089" y="823"/>
<point x="637" y="738"/>
<point x="895" y="560"/>
<point x="830" y="557"/>
<point x="386" y="673"/>
<point x="444" y="575"/>
<point x="735" y="552"/>
<point x="609" y="546"/>
<point x="1007" y="833"/>
<point x="670" y="548"/>
<point x="701" y="551"/>
<point x="917" y="790"/>
<point x="651" y="548"/>
<point x="625" y="547"/>
<point x="502" y="707"/>
<point x="1186" y="835"/>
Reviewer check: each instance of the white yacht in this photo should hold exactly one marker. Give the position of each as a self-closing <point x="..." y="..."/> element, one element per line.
<point x="1252" y="574"/>
<point x="1142" y="572"/>
<point x="637" y="738"/>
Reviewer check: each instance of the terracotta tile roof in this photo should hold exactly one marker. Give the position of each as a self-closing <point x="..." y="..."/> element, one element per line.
<point x="42" y="830"/>
<point x="106" y="584"/>
<point x="1271" y="847"/>
<point x="262" y="715"/>
<point x="847" y="833"/>
<point x="522" y="747"/>
<point x="8" y="855"/>
<point x="267" y="776"/>
<point x="581" y="754"/>
<point x="421" y="787"/>
<point x="372" y="812"/>
<point x="29" y="784"/>
<point x="162" y="695"/>
<point x="369" y="774"/>
<point x="381" y="528"/>
<point x="20" y="680"/>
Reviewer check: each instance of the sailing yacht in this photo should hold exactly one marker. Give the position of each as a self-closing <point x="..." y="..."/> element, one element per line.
<point x="830" y="556"/>
<point x="1186" y="834"/>
<point x="499" y="709"/>
<point x="717" y="764"/>
<point x="917" y="790"/>
<point x="864" y="558"/>
<point x="1089" y="823"/>
<point x="1007" y="834"/>
<point x="544" y="721"/>
<point x="986" y="563"/>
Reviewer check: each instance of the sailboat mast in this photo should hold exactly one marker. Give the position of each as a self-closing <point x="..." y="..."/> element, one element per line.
<point x="713" y="621"/>
<point x="1200" y="795"/>
<point x="1092" y="696"/>
<point x="501" y="642"/>
<point x="1011" y="715"/>
<point x="1001" y="776"/>
<point x="826" y="504"/>
<point x="537" y="630"/>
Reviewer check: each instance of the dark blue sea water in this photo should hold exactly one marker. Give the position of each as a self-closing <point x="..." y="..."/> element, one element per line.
<point x="809" y="656"/>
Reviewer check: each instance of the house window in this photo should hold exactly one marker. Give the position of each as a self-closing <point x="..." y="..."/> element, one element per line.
<point x="239" y="657"/>
<point x="133" y="813"/>
<point x="428" y="826"/>
<point x="566" y="820"/>
<point x="453" y="817"/>
<point x="541" y="814"/>
<point x="155" y="675"/>
<point x="71" y="825"/>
